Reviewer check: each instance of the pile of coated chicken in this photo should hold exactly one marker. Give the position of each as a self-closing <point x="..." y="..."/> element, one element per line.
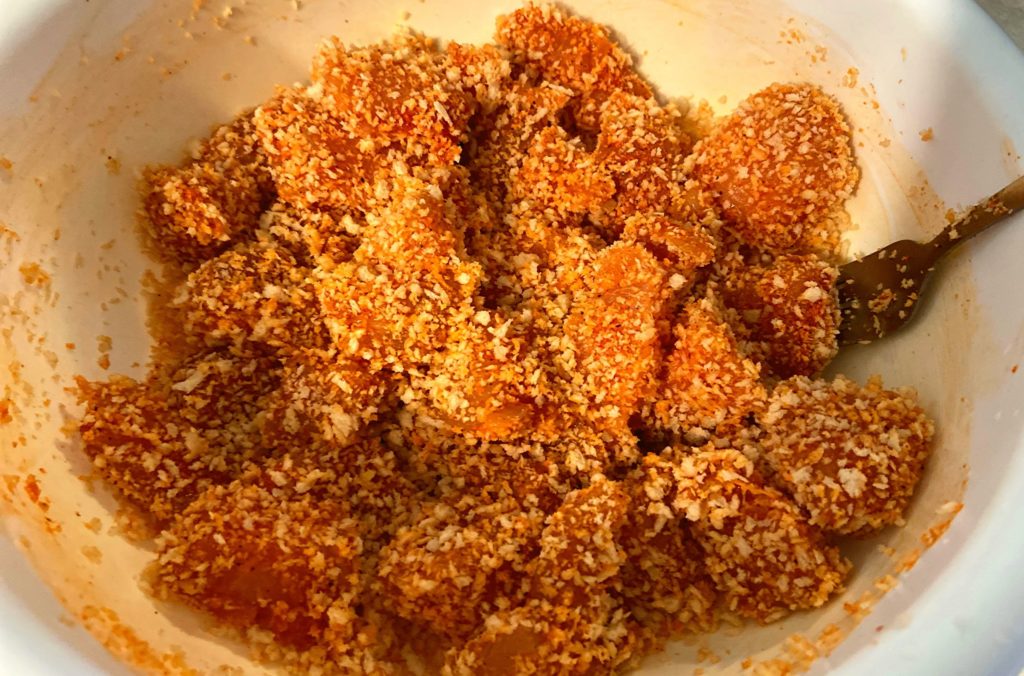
<point x="484" y="361"/>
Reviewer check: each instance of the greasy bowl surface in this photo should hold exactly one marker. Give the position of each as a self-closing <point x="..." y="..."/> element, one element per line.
<point x="91" y="92"/>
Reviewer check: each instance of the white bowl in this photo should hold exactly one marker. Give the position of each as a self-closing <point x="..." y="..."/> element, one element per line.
<point x="92" y="91"/>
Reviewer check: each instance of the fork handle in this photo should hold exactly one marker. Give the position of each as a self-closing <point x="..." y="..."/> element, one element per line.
<point x="980" y="217"/>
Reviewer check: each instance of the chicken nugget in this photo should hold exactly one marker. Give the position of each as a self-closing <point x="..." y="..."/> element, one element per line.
<point x="763" y="555"/>
<point x="707" y="384"/>
<point x="850" y="456"/>
<point x="782" y="160"/>
<point x="788" y="313"/>
<point x="254" y="294"/>
<point x="285" y="564"/>
<point x="573" y="53"/>
<point x="394" y="92"/>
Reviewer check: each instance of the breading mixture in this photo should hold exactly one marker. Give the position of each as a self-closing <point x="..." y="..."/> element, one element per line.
<point x="488" y="362"/>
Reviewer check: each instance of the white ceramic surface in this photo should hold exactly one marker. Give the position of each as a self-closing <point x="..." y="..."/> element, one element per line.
<point x="939" y="64"/>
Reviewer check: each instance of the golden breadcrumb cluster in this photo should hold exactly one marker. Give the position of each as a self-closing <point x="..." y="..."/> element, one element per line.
<point x="485" y="361"/>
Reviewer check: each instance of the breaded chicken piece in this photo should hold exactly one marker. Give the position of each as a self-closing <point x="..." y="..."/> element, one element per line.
<point x="579" y="551"/>
<point x="408" y="282"/>
<point x="501" y="138"/>
<point x="129" y="432"/>
<point x="365" y="484"/>
<point x="486" y="380"/>
<point x="395" y="92"/>
<point x="850" y="456"/>
<point x="788" y="313"/>
<point x="254" y="294"/>
<point x="559" y="177"/>
<point x="565" y="624"/>
<point x="664" y="582"/>
<point x="643" y="146"/>
<point x="316" y="163"/>
<point x="285" y="564"/>
<point x="763" y="555"/>
<point x="613" y="330"/>
<point x="707" y="384"/>
<point x="781" y="161"/>
<point x="324" y="399"/>
<point x="573" y="53"/>
<point x="460" y="560"/>
<point x="202" y="207"/>
<point x="163" y="441"/>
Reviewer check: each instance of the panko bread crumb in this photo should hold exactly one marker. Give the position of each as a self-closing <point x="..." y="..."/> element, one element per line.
<point x="476" y="363"/>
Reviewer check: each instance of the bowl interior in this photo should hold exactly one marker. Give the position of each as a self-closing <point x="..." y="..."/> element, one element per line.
<point x="127" y="83"/>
